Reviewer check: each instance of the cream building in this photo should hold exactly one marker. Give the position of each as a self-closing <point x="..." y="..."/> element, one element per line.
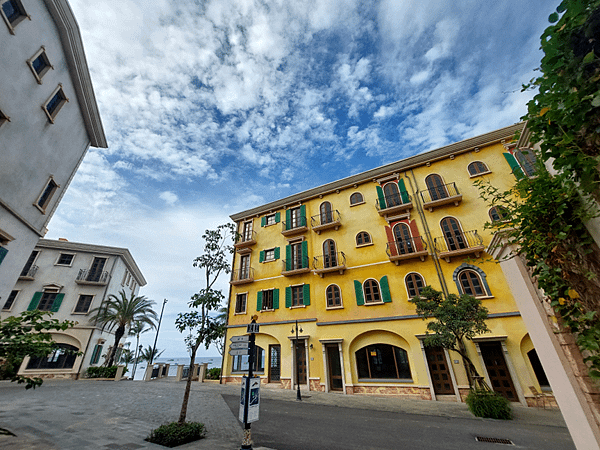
<point x="70" y="279"/>
<point x="48" y="120"/>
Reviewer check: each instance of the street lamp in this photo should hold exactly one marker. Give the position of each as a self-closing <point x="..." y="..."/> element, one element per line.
<point x="157" y="330"/>
<point x="298" y="396"/>
<point x="138" y="351"/>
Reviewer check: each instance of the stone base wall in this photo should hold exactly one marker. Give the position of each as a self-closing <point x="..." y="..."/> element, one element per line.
<point x="395" y="391"/>
<point x="55" y="376"/>
<point x="286" y="383"/>
<point x="315" y="385"/>
<point x="549" y="402"/>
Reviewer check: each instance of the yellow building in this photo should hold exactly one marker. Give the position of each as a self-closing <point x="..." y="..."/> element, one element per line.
<point x="344" y="260"/>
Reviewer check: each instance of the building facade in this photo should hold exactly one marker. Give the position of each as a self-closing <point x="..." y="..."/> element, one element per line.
<point x="70" y="279"/>
<point x="343" y="261"/>
<point x="48" y="120"/>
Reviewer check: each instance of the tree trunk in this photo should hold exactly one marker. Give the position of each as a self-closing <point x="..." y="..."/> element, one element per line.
<point x="118" y="335"/>
<point x="188" y="385"/>
<point x="469" y="366"/>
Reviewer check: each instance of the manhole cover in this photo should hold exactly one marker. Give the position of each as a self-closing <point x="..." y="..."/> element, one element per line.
<point x="494" y="440"/>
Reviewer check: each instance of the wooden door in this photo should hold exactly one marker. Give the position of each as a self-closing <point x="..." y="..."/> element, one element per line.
<point x="496" y="367"/>
<point x="329" y="254"/>
<point x="436" y="187"/>
<point x="335" y="368"/>
<point x="403" y="239"/>
<point x="453" y="234"/>
<point x="274" y="363"/>
<point x="326" y="213"/>
<point x="96" y="269"/>
<point x="301" y="361"/>
<point x="392" y="195"/>
<point x="439" y="370"/>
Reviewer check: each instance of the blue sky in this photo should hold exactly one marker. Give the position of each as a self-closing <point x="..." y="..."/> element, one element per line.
<point x="213" y="107"/>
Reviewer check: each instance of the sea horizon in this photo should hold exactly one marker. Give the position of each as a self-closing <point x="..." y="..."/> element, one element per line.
<point x="213" y="361"/>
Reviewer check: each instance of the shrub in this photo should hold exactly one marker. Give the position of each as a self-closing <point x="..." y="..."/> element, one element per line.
<point x="101" y="372"/>
<point x="488" y="404"/>
<point x="174" y="434"/>
<point x="213" y="374"/>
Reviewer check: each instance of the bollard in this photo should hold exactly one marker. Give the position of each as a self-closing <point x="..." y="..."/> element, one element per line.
<point x="179" y="375"/>
<point x="202" y="372"/>
<point x="119" y="373"/>
<point x="148" y="374"/>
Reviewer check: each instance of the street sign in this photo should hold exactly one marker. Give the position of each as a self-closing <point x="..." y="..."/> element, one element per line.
<point x="253" y="400"/>
<point x="244" y="338"/>
<point x="252" y="328"/>
<point x="238" y="345"/>
<point x="238" y="351"/>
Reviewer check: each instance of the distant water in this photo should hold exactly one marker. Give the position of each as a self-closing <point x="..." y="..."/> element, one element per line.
<point x="214" y="361"/>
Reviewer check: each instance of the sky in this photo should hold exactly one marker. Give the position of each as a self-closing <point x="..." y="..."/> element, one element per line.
<point x="212" y="107"/>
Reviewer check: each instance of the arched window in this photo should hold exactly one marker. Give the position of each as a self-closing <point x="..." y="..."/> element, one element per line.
<point x="61" y="358"/>
<point x="453" y="234"/>
<point x="470" y="283"/>
<point x="498" y="213"/>
<point x="404" y="243"/>
<point x="436" y="187"/>
<point x="356" y="198"/>
<point x="414" y="284"/>
<point x="372" y="293"/>
<point x="240" y="362"/>
<point x="326" y="213"/>
<point x="334" y="296"/>
<point x="329" y="254"/>
<point x="392" y="194"/>
<point x="477" y="168"/>
<point x="527" y="160"/>
<point x="382" y="361"/>
<point x="363" y="238"/>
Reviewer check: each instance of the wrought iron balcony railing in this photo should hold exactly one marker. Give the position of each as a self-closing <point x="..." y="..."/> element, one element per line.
<point x="295" y="225"/>
<point x="326" y="220"/>
<point x="457" y="244"/>
<point x="29" y="274"/>
<point x="329" y="263"/>
<point x="242" y="276"/>
<point x="399" y="250"/>
<point x="245" y="239"/>
<point x="394" y="203"/>
<point x="295" y="265"/>
<point x="86" y="276"/>
<point x="440" y="195"/>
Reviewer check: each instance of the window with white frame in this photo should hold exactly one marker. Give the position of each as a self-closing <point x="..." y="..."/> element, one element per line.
<point x="44" y="199"/>
<point x="83" y="304"/>
<point x="39" y="64"/>
<point x="414" y="284"/>
<point x="65" y="259"/>
<point x="371" y="289"/>
<point x="363" y="238"/>
<point x="54" y="104"/>
<point x="240" y="362"/>
<point x="240" y="303"/>
<point x="13" y="13"/>
<point x="334" y="296"/>
<point x="471" y="280"/>
<point x="10" y="301"/>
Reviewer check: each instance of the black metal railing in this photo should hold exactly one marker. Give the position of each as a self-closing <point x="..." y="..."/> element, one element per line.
<point x="30" y="273"/>
<point x="329" y="261"/>
<point x="299" y="262"/>
<point x="439" y="192"/>
<point x="92" y="276"/>
<point x="325" y="218"/>
<point x="457" y="241"/>
<point x="245" y="273"/>
<point x="246" y="236"/>
<point x="185" y="372"/>
<point x="406" y="246"/>
<point x="391" y="201"/>
<point x="295" y="222"/>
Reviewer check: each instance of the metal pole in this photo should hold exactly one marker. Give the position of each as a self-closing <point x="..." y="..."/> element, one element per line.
<point x="298" y="396"/>
<point x="247" y="442"/>
<point x="157" y="330"/>
<point x="137" y="354"/>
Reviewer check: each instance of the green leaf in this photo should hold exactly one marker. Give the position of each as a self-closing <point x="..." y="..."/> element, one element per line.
<point x="596" y="102"/>
<point x="553" y="18"/>
<point x="589" y="57"/>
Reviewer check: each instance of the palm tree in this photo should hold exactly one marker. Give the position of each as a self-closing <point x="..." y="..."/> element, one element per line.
<point x="146" y="354"/>
<point x="120" y="312"/>
<point x="136" y="329"/>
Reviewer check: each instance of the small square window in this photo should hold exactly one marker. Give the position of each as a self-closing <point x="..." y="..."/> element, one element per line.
<point x="270" y="254"/>
<point x="46" y="196"/>
<point x="65" y="259"/>
<point x="54" y="104"/>
<point x="270" y="219"/>
<point x="83" y="304"/>
<point x="267" y="300"/>
<point x="39" y="64"/>
<point x="240" y="303"/>
<point x="13" y="13"/>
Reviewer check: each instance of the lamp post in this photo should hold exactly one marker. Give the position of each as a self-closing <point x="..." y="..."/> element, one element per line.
<point x="157" y="330"/>
<point x="298" y="396"/>
<point x="138" y="351"/>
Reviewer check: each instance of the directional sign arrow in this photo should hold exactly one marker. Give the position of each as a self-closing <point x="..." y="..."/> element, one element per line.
<point x="236" y="345"/>
<point x="239" y="351"/>
<point x="244" y="338"/>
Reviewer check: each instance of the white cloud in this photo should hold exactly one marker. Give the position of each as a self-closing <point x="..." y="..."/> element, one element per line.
<point x="169" y="197"/>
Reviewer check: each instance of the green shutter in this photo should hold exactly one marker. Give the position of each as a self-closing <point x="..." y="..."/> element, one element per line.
<point x="35" y="301"/>
<point x="96" y="354"/>
<point x="360" y="299"/>
<point x="261" y="256"/>
<point x="275" y="298"/>
<point x="380" y="197"/>
<point x="288" y="219"/>
<point x="288" y="297"/>
<point x="263" y="221"/>
<point x="277" y="217"/>
<point x="403" y="192"/>
<point x="276" y="253"/>
<point x="385" y="289"/>
<point x="303" y="221"/>
<point x="3" y="253"/>
<point x="306" y="294"/>
<point x="304" y="254"/>
<point x="288" y="257"/>
<point x="259" y="301"/>
<point x="514" y="165"/>
<point x="57" y="302"/>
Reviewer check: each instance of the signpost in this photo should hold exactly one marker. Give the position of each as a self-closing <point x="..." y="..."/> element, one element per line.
<point x="250" y="398"/>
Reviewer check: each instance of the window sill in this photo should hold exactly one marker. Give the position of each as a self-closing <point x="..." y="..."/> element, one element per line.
<point x="356" y="204"/>
<point x="269" y="260"/>
<point x="480" y="174"/>
<point x="484" y="297"/>
<point x="80" y="313"/>
<point x="266" y="310"/>
<point x="385" y="380"/>
<point x="374" y="303"/>
<point x="242" y="313"/>
<point x="334" y="307"/>
<point x="364" y="245"/>
<point x="297" y="306"/>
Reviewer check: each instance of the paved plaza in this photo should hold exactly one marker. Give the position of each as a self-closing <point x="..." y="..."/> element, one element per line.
<point x="86" y="414"/>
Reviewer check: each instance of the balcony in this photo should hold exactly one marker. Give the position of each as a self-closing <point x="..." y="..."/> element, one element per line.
<point x="441" y="195"/>
<point x="297" y="225"/>
<point x="413" y="248"/>
<point x="459" y="244"/>
<point x="393" y="204"/>
<point x="29" y="274"/>
<point x="325" y="221"/>
<point x="92" y="277"/>
<point x="242" y="276"/>
<point x="295" y="266"/>
<point x="245" y="241"/>
<point x="329" y="263"/>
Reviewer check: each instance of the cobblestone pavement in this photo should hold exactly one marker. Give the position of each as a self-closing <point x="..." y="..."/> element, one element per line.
<point x="89" y="414"/>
